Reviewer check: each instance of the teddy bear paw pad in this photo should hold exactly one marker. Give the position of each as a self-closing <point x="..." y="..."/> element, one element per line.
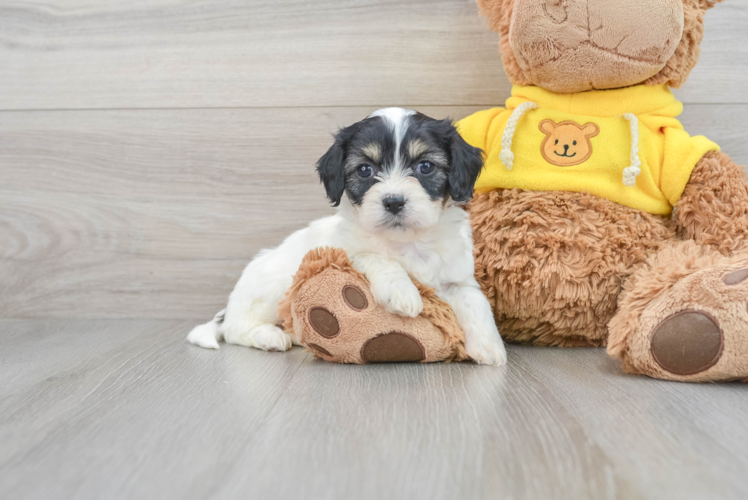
<point x="355" y="298"/>
<point x="324" y="322"/>
<point x="688" y="342"/>
<point x="735" y="277"/>
<point x="393" y="347"/>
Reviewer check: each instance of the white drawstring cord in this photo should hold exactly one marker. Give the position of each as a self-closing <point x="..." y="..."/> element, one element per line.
<point x="506" y="155"/>
<point x="632" y="172"/>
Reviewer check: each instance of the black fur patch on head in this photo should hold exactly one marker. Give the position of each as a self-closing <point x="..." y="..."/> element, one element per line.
<point x="372" y="142"/>
<point x="337" y="168"/>
<point x="424" y="142"/>
<point x="458" y="163"/>
<point x="376" y="133"/>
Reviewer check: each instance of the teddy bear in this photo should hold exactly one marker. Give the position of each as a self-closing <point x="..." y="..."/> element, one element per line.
<point x="598" y="220"/>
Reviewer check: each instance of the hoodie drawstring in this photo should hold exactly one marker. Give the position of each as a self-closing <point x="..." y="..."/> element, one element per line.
<point x="506" y="155"/>
<point x="632" y="172"/>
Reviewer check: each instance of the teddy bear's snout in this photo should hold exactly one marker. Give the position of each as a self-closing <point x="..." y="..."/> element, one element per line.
<point x="578" y="45"/>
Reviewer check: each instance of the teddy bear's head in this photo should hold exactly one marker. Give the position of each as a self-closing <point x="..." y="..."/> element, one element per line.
<point x="576" y="45"/>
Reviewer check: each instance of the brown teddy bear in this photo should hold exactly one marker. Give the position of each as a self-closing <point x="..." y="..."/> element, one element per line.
<point x="598" y="221"/>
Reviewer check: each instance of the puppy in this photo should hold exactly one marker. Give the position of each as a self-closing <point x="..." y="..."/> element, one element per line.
<point x="399" y="179"/>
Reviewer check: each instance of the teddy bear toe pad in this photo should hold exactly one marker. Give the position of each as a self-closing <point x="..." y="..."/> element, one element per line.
<point x="324" y="322"/>
<point x="355" y="298"/>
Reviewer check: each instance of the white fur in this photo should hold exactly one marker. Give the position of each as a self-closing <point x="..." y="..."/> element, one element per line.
<point x="431" y="242"/>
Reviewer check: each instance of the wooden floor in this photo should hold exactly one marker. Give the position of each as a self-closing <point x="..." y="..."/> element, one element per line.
<point x="125" y="409"/>
<point x="148" y="149"/>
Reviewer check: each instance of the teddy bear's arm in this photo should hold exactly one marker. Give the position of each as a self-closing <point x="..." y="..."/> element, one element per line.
<point x="713" y="209"/>
<point x="481" y="128"/>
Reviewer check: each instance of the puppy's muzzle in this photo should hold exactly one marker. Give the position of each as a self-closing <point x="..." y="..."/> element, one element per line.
<point x="394" y="204"/>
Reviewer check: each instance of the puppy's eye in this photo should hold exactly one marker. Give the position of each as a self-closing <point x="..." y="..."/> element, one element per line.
<point x="575" y="143"/>
<point x="364" y="171"/>
<point x="556" y="141"/>
<point x="425" y="167"/>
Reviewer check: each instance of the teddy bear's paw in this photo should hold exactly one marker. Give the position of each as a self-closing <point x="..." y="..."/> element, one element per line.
<point x="336" y="317"/>
<point x="698" y="331"/>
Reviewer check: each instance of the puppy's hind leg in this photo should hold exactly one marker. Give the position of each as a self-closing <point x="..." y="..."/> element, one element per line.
<point x="256" y="326"/>
<point x="207" y="335"/>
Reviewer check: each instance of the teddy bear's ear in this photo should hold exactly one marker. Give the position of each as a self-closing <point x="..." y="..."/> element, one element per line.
<point x="499" y="16"/>
<point x="708" y="4"/>
<point x="686" y="55"/>
<point x="492" y="9"/>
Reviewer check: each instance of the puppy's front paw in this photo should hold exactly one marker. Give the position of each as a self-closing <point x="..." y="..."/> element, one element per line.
<point x="400" y="297"/>
<point x="486" y="350"/>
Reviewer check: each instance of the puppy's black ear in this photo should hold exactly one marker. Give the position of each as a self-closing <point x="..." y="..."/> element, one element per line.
<point x="467" y="162"/>
<point x="331" y="167"/>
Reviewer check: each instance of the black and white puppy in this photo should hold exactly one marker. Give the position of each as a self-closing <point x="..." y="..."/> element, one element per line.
<point x="399" y="179"/>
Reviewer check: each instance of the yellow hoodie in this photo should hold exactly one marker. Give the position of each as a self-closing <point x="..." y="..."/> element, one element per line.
<point x="625" y="145"/>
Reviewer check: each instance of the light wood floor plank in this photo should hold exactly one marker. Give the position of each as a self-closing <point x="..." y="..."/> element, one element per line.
<point x="140" y="414"/>
<point x="151" y="415"/>
<point x="155" y="213"/>
<point x="163" y="54"/>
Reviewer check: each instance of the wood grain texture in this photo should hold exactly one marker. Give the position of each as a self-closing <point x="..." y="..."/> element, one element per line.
<point x="266" y="53"/>
<point x="80" y="54"/>
<point x="125" y="409"/>
<point x="155" y="213"/>
<point x="152" y="213"/>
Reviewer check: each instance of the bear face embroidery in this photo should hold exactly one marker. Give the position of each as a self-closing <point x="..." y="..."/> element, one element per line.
<point x="567" y="143"/>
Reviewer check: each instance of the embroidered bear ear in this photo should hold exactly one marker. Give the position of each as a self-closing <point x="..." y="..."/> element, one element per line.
<point x="547" y="126"/>
<point x="590" y="130"/>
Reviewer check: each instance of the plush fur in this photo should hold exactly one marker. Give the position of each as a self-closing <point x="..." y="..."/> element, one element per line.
<point x="571" y="269"/>
<point x="399" y="180"/>
<point x="552" y="263"/>
<point x="714" y="207"/>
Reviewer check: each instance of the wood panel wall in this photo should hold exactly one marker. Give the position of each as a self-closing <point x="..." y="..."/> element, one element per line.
<point x="149" y="148"/>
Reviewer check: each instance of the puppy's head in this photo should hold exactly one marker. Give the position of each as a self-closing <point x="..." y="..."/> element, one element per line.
<point x="399" y="169"/>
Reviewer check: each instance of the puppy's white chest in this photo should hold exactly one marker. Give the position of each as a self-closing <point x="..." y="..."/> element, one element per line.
<point x="428" y="265"/>
<point x="421" y="264"/>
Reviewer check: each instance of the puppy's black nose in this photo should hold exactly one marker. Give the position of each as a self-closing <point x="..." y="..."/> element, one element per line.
<point x="394" y="204"/>
<point x="566" y="148"/>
